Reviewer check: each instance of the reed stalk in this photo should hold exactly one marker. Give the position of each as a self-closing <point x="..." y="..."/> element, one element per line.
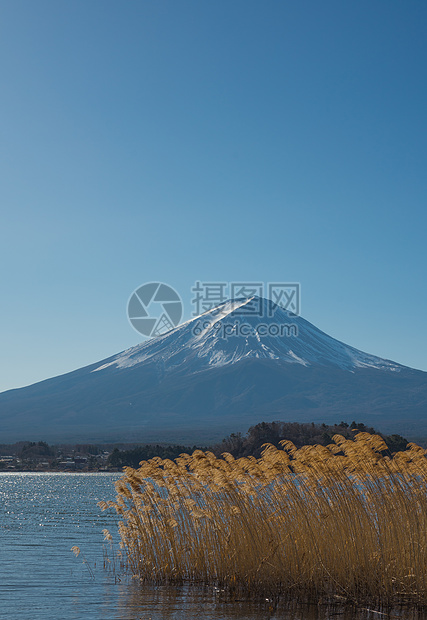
<point x="340" y="521"/>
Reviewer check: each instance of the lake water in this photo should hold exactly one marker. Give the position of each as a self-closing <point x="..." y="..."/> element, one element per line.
<point x="43" y="515"/>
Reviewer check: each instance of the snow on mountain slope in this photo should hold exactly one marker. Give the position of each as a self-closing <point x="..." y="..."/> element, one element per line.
<point x="217" y="374"/>
<point x="241" y="329"/>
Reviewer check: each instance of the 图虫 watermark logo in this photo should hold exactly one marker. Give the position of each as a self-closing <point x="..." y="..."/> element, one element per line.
<point x="154" y="308"/>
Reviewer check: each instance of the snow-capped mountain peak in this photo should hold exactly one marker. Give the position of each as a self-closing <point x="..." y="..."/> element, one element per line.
<point x="243" y="362"/>
<point x="243" y="329"/>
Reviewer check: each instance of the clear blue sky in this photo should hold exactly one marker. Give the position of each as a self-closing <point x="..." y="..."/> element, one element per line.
<point x="276" y="140"/>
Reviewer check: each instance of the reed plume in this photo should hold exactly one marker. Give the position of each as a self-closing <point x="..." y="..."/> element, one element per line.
<point x="344" y="520"/>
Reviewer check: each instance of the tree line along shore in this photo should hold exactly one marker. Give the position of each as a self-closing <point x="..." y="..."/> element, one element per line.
<point x="40" y="456"/>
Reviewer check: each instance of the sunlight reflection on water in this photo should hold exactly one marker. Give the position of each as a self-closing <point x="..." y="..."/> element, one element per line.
<point x="43" y="515"/>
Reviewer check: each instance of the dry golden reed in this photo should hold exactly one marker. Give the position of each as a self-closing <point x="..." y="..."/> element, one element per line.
<point x="342" y="520"/>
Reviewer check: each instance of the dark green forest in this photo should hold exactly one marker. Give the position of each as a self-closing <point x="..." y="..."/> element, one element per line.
<point x="251" y="443"/>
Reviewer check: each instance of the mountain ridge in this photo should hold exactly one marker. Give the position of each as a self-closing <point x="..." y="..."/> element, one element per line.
<point x="271" y="314"/>
<point x="193" y="383"/>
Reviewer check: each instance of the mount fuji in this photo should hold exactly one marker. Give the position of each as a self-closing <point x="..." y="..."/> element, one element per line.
<point x="245" y="361"/>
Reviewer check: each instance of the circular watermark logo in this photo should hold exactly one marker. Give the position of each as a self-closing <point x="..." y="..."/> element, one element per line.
<point x="154" y="308"/>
